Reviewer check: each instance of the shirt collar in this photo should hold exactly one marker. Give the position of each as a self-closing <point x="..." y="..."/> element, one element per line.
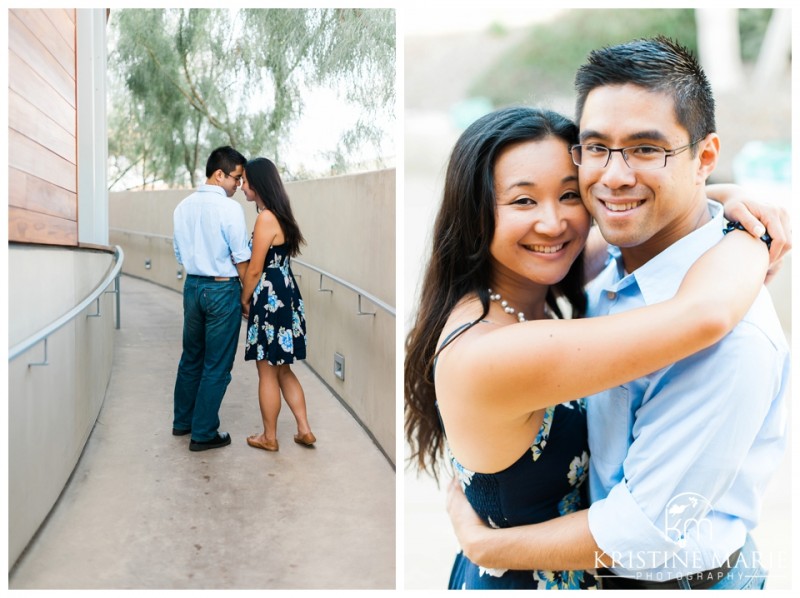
<point x="659" y="278"/>
<point x="212" y="189"/>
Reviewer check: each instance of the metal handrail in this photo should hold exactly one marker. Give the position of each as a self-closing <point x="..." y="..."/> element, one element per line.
<point x="111" y="276"/>
<point x="140" y="233"/>
<point x="360" y="292"/>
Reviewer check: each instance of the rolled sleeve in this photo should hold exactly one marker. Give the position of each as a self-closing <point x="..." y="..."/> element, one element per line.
<point x="626" y="533"/>
<point x="176" y="250"/>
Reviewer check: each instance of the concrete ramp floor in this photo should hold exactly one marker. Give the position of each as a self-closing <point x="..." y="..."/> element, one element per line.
<point x="142" y="511"/>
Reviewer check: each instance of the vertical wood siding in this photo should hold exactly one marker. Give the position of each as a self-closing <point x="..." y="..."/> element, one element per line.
<point x="42" y="125"/>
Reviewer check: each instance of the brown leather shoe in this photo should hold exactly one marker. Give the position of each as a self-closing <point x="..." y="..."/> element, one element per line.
<point x="307" y="439"/>
<point x="266" y="445"/>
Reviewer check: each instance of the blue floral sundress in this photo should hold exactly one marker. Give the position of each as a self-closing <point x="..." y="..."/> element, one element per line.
<point x="547" y="481"/>
<point x="276" y="326"/>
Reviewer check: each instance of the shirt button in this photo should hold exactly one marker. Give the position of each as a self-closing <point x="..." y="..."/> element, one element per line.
<point x="611" y="295"/>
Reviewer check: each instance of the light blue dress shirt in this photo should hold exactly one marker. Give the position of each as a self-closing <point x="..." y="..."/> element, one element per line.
<point x="680" y="458"/>
<point x="210" y="234"/>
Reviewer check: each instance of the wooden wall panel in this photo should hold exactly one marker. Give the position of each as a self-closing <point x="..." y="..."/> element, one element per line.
<point x="30" y="227"/>
<point x="42" y="127"/>
<point x="63" y="20"/>
<point x="34" y="194"/>
<point x="28" y="156"/>
<point x="44" y="30"/>
<point x="31" y="122"/>
<point x="23" y="80"/>
<point x="23" y="43"/>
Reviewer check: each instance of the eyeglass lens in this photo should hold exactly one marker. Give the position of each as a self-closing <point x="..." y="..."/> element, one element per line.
<point x="640" y="157"/>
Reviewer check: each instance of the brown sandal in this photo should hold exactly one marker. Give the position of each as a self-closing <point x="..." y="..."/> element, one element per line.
<point x="267" y="446"/>
<point x="307" y="439"/>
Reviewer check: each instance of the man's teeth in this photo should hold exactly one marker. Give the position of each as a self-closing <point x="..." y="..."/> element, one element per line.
<point x="545" y="248"/>
<point x="621" y="207"/>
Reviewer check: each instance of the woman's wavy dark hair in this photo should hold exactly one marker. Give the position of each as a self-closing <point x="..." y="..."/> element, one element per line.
<point x="460" y="262"/>
<point x="263" y="177"/>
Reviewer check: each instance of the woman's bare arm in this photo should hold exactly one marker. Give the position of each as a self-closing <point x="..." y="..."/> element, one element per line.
<point x="540" y="363"/>
<point x="264" y="233"/>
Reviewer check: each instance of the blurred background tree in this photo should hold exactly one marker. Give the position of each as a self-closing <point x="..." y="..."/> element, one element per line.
<point x="183" y="81"/>
<point x="745" y="52"/>
<point x="544" y="62"/>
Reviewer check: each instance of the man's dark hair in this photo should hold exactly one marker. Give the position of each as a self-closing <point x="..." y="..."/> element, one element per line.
<point x="224" y="158"/>
<point x="656" y="64"/>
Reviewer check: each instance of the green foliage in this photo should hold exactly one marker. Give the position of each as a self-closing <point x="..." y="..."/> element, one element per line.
<point x="544" y="64"/>
<point x="184" y="81"/>
<point x="753" y="24"/>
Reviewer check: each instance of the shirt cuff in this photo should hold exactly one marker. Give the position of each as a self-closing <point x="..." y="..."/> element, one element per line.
<point x="623" y="531"/>
<point x="241" y="256"/>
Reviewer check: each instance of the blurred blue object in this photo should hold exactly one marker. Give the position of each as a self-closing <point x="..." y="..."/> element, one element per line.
<point x="466" y="112"/>
<point x="763" y="162"/>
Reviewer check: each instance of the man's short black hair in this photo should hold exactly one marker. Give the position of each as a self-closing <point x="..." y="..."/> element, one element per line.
<point x="656" y="64"/>
<point x="224" y="158"/>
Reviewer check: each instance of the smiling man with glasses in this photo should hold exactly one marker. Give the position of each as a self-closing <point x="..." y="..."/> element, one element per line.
<point x="679" y="458"/>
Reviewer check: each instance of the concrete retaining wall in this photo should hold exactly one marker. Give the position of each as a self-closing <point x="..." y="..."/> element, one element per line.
<point x="52" y="408"/>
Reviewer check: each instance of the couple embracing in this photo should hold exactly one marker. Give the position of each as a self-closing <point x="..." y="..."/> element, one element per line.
<point x="231" y="274"/>
<point x="632" y="447"/>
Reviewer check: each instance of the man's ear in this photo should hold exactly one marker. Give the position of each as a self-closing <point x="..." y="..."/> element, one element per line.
<point x="708" y="153"/>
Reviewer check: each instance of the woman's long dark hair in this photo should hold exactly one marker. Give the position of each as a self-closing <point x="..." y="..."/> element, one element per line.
<point x="263" y="178"/>
<point x="460" y="262"/>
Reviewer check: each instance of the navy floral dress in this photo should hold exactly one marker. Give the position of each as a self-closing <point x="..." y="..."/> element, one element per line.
<point x="276" y="326"/>
<point x="547" y="481"/>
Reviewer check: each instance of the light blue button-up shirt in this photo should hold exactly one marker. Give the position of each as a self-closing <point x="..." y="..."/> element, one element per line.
<point x="210" y="234"/>
<point x="680" y="458"/>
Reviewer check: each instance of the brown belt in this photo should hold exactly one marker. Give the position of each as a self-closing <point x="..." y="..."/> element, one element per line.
<point x="215" y="278"/>
<point x="697" y="581"/>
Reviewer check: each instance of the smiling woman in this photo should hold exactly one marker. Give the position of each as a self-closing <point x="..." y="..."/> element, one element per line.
<point x="541" y="224"/>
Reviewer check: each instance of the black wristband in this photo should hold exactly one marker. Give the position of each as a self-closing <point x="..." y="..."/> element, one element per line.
<point x="733" y="224"/>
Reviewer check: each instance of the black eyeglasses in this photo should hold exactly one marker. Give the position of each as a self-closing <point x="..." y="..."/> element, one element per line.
<point x="637" y="157"/>
<point x="238" y="178"/>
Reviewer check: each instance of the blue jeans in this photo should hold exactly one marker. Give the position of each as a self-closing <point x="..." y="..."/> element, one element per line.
<point x="212" y="315"/>
<point x="747" y="572"/>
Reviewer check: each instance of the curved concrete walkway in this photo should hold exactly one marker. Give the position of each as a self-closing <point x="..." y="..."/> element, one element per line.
<point x="142" y="511"/>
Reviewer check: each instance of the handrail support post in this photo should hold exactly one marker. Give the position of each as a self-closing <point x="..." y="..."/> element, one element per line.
<point x="116" y="299"/>
<point x="320" y="289"/>
<point x="44" y="361"/>
<point x="360" y="311"/>
<point x="97" y="313"/>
